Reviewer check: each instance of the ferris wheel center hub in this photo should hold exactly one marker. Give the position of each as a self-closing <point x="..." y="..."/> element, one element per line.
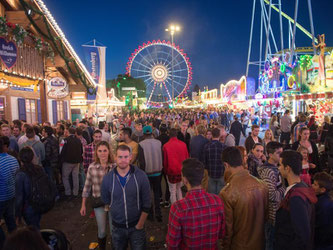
<point x="159" y="73"/>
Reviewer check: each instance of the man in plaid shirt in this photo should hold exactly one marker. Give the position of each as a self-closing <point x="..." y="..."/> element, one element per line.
<point x="89" y="150"/>
<point x="198" y="220"/>
<point x="212" y="159"/>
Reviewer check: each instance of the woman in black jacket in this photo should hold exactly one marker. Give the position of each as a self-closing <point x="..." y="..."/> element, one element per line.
<point x="303" y="140"/>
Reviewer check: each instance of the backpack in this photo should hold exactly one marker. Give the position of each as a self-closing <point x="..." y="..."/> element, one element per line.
<point x="43" y="193"/>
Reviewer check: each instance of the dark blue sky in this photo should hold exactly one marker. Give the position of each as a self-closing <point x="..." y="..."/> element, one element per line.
<point x="215" y="33"/>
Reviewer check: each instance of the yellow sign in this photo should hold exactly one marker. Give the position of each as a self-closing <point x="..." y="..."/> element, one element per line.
<point x="19" y="81"/>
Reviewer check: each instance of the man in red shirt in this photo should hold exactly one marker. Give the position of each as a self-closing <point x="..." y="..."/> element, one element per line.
<point x="174" y="153"/>
<point x="198" y="220"/>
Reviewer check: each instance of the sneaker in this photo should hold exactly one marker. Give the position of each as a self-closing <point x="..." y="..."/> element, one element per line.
<point x="161" y="201"/>
<point x="92" y="215"/>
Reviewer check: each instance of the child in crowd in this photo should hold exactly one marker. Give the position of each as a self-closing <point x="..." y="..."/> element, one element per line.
<point x="323" y="186"/>
<point x="305" y="176"/>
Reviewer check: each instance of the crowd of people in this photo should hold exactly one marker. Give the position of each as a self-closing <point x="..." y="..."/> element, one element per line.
<point x="262" y="193"/>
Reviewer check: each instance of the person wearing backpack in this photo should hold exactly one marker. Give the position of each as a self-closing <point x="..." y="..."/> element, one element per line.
<point x="37" y="146"/>
<point x="34" y="192"/>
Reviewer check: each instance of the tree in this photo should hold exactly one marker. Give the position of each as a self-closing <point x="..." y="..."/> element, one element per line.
<point x="196" y="88"/>
<point x="123" y="81"/>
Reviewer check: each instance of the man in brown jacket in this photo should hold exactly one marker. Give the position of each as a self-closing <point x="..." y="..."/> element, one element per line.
<point x="246" y="205"/>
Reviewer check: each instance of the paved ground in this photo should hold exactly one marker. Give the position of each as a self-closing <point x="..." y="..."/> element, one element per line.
<point x="81" y="231"/>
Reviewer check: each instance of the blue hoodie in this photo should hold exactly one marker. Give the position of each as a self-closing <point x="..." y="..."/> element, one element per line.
<point x="126" y="203"/>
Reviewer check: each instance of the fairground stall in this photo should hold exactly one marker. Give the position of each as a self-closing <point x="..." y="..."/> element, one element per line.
<point x="233" y="94"/>
<point x="299" y="86"/>
<point x="39" y="68"/>
<point x="315" y="95"/>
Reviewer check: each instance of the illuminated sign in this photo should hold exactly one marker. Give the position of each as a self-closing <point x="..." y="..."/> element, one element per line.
<point x="57" y="88"/>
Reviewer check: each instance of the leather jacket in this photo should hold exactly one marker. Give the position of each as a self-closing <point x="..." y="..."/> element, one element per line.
<point x="246" y="207"/>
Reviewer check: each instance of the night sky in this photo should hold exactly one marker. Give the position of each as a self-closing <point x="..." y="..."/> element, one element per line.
<point x="215" y="33"/>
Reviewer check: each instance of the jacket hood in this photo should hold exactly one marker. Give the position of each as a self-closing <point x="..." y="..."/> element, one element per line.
<point x="306" y="193"/>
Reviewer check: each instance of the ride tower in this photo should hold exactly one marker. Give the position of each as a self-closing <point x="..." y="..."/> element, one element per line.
<point x="273" y="42"/>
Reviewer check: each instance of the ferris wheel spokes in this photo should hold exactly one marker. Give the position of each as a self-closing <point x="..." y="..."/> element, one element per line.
<point x="141" y="65"/>
<point x="161" y="72"/>
<point x="144" y="58"/>
<point x="151" y="56"/>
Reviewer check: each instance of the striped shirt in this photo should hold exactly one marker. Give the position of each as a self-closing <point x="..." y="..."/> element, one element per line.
<point x="271" y="176"/>
<point x="94" y="179"/>
<point x="8" y="168"/>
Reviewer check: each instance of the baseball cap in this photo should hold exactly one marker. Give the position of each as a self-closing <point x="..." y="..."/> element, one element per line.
<point x="147" y="130"/>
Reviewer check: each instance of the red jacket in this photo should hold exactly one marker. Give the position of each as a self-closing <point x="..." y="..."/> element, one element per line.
<point x="174" y="153"/>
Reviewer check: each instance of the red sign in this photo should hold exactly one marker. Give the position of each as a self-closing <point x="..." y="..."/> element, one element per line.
<point x="329" y="95"/>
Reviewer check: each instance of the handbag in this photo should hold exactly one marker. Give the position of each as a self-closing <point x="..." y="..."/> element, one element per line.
<point x="96" y="202"/>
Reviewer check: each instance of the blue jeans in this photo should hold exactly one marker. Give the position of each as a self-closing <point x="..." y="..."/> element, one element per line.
<point x="121" y="237"/>
<point x="82" y="177"/>
<point x="7" y="212"/>
<point x="269" y="235"/>
<point x="215" y="185"/>
<point x="31" y="217"/>
<point x="101" y="220"/>
<point x="49" y="172"/>
<point x="244" y="129"/>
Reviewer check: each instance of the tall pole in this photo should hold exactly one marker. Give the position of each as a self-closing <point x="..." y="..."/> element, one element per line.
<point x="172" y="30"/>
<point x="250" y="42"/>
<point x="173" y="90"/>
<point x="268" y="27"/>
<point x="294" y="32"/>
<point x="260" y="48"/>
<point x="312" y="28"/>
<point x="281" y="26"/>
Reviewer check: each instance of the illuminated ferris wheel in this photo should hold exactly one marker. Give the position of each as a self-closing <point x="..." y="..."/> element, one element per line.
<point x="165" y="69"/>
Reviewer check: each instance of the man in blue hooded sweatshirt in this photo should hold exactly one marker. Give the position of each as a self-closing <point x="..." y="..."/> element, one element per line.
<point x="126" y="190"/>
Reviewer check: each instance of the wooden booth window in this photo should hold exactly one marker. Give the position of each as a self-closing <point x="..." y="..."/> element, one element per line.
<point x="29" y="110"/>
<point x="60" y="111"/>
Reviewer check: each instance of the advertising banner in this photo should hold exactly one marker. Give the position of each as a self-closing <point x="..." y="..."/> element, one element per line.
<point x="95" y="63"/>
<point x="8" y="52"/>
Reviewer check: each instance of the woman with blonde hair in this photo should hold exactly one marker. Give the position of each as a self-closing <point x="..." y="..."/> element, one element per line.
<point x="274" y="126"/>
<point x="269" y="136"/>
<point x="97" y="170"/>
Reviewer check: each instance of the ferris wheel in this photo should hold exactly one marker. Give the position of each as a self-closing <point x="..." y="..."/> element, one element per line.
<point x="164" y="68"/>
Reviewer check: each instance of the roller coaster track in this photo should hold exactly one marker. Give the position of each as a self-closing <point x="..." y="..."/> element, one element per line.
<point x="306" y="32"/>
<point x="303" y="50"/>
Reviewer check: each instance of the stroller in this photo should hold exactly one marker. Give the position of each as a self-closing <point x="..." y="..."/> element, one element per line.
<point x="55" y="239"/>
